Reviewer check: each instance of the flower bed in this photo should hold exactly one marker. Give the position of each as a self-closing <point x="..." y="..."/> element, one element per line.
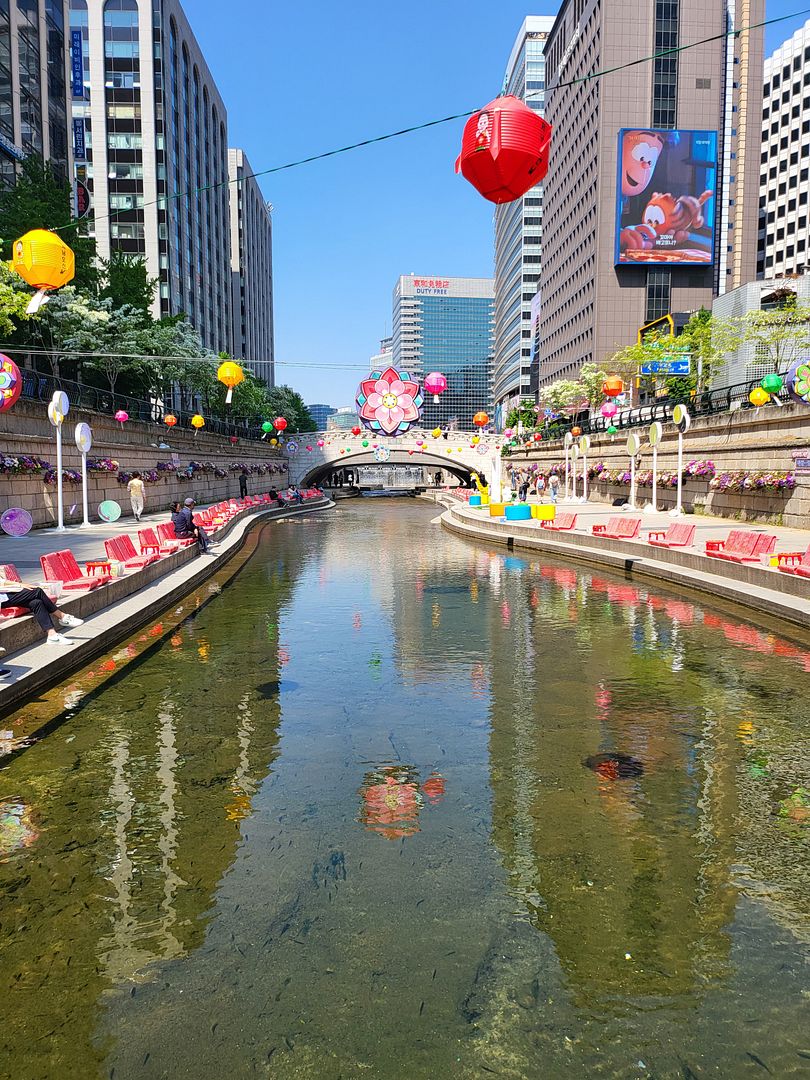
<point x="772" y="483"/>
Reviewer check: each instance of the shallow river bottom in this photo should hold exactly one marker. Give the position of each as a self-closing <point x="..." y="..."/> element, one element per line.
<point x="393" y="805"/>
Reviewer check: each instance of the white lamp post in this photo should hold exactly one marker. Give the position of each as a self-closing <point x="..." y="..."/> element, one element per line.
<point x="633" y="446"/>
<point x="655" y="434"/>
<point x="574" y="456"/>
<point x="682" y="419"/>
<point x="567" y="442"/>
<point x="84" y="440"/>
<point x="57" y="411"/>
<point x="584" y="447"/>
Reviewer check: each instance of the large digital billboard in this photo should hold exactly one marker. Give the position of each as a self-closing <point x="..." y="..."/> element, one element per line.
<point x="666" y="197"/>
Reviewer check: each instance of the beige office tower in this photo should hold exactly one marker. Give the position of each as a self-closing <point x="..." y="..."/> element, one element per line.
<point x="627" y="241"/>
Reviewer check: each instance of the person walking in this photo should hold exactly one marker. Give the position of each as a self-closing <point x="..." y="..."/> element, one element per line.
<point x="136" y="490"/>
<point x="184" y="525"/>
<point x="20" y="594"/>
<point x="524" y="487"/>
<point x="243" y="478"/>
<point x="540" y="487"/>
<point x="554" y="487"/>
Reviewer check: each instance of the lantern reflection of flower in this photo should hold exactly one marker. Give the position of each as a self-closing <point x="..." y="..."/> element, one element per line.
<point x="391" y="801"/>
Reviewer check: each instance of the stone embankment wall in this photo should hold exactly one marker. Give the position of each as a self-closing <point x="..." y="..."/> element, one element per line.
<point x="25" y="430"/>
<point x="758" y="441"/>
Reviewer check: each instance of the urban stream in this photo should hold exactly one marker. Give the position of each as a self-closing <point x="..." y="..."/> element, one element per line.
<point x="383" y="803"/>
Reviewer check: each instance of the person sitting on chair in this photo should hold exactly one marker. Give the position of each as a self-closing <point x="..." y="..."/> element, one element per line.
<point x="185" y="526"/>
<point x="20" y="594"/>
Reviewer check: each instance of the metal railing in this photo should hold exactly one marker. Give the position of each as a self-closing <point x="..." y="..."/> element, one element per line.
<point x="708" y="403"/>
<point x="38" y="386"/>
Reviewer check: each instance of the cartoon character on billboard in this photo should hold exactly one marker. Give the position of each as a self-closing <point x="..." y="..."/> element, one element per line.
<point x="668" y="222"/>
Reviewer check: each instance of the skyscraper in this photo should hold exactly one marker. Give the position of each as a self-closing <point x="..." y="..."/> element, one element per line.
<point x="518" y="232"/>
<point x="622" y="250"/>
<point x="149" y="123"/>
<point x="447" y="325"/>
<point x="33" y="85"/>
<point x="252" y="269"/>
<point x="784" y="181"/>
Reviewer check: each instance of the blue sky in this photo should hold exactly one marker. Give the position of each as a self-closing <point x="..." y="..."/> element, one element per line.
<point x="301" y="80"/>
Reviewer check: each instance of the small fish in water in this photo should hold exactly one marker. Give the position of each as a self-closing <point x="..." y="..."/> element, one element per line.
<point x="758" y="1060"/>
<point x="614" y="766"/>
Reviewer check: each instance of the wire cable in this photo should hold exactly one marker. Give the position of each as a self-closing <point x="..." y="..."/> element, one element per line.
<point x="165" y="199"/>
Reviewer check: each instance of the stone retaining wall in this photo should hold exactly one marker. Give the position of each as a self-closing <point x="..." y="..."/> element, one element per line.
<point x="25" y="430"/>
<point x="759" y="440"/>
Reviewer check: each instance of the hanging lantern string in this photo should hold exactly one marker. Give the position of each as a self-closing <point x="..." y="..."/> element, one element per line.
<point x="163" y="199"/>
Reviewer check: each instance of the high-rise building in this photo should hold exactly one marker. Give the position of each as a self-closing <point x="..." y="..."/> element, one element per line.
<point x="447" y="325"/>
<point x="784" y="180"/>
<point x="252" y="269"/>
<point x="149" y="123"/>
<point x="320" y="414"/>
<point x="626" y="241"/>
<point x="518" y="232"/>
<point x="33" y="85"/>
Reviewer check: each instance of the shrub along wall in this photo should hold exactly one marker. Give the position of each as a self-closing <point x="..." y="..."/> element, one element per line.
<point x="205" y="467"/>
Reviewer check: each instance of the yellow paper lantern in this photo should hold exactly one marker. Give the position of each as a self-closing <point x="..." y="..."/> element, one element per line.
<point x="230" y="375"/>
<point x="197" y="422"/>
<point x="436" y="433"/>
<point x="476" y="439"/>
<point x="45" y="261"/>
<point x="758" y="396"/>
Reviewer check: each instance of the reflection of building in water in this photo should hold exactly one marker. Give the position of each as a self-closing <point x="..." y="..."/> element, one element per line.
<point x="629" y="878"/>
<point x="142" y="813"/>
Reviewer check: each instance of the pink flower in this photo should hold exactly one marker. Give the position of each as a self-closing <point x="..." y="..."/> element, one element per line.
<point x="389" y="402"/>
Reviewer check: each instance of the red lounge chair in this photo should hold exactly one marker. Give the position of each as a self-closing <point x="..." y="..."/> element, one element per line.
<point x="618" y="528"/>
<point x="148" y="543"/>
<point x="681" y="535"/>
<point x="168" y="535"/>
<point x="9" y="572"/>
<point x="563" y="522"/>
<point x="62" y="566"/>
<point x="741" y="545"/>
<point x="789" y="562"/>
<point x="123" y="551"/>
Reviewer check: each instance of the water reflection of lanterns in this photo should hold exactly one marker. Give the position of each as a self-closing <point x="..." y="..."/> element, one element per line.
<point x="434" y="788"/>
<point x="391" y="801"/>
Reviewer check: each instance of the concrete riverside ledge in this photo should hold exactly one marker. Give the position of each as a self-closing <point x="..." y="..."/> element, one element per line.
<point x="116" y="610"/>
<point x="757" y="587"/>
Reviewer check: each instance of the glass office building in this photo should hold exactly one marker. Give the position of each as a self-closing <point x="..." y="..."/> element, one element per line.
<point x="447" y="325"/>
<point x="518" y="232"/>
<point x="33" y="85"/>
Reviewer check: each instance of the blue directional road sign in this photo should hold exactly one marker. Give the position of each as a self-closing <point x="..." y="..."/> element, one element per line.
<point x="668" y="366"/>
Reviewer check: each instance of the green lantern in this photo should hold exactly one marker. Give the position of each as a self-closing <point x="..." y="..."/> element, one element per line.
<point x="364" y="442"/>
<point x="267" y="427"/>
<point x="612" y="430"/>
<point x="772" y="384"/>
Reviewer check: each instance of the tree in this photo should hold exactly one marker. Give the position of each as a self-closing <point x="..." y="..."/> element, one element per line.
<point x="286" y="402"/>
<point x="523" y="414"/>
<point x="561" y="395"/>
<point x="124" y="280"/>
<point x="13" y="302"/>
<point x="40" y="200"/>
<point x="592" y="379"/>
<point x="780" y="336"/>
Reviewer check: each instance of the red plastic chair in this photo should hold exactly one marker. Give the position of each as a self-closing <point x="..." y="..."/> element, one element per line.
<point x="9" y="572"/>
<point x="123" y="551"/>
<point x="166" y="533"/>
<point x="680" y="535"/>
<point x="563" y="522"/>
<point x="62" y="566"/>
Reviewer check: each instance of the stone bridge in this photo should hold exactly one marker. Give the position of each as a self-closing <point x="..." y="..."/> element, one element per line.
<point x="455" y="454"/>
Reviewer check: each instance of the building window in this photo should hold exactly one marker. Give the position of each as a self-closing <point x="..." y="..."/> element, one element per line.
<point x="659" y="285"/>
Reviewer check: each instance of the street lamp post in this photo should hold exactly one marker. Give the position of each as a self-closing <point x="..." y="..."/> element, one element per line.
<point x="656" y="432"/>
<point x="633" y="446"/>
<point x="682" y="419"/>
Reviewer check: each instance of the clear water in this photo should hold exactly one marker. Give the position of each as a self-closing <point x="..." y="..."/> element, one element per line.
<point x="337" y="824"/>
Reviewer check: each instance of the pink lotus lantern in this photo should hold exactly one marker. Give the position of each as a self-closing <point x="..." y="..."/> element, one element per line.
<point x="122" y="417"/>
<point x="320" y="442"/>
<point x="508" y="433"/>
<point x="435" y="383"/>
<point x="609" y="409"/>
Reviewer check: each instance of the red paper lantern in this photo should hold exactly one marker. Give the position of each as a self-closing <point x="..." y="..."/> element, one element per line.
<point x="576" y="432"/>
<point x="234" y="440"/>
<point x="355" y="431"/>
<point x="538" y="437"/>
<point x="481" y="419"/>
<point x="504" y="149"/>
<point x="279" y="423"/>
<point x="612" y="386"/>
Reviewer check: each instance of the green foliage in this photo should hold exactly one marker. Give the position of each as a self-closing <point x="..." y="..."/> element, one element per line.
<point x="780" y="335"/>
<point x="524" y="414"/>
<point x="125" y="281"/>
<point x="561" y="395"/>
<point x="40" y="200"/>
<point x="286" y="402"/>
<point x="592" y="378"/>
<point x="13" y="302"/>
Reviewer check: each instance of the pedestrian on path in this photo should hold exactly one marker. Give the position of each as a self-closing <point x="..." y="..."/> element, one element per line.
<point x="136" y="495"/>
<point x="20" y="594"/>
<point x="554" y="487"/>
<point x="243" y="478"/>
